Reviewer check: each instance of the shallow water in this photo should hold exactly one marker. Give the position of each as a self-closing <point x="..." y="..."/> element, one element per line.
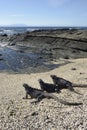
<point x="18" y="61"/>
<point x="13" y="60"/>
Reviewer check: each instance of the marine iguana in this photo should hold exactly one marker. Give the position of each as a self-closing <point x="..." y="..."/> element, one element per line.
<point x="63" y="83"/>
<point x="50" y="88"/>
<point x="40" y="94"/>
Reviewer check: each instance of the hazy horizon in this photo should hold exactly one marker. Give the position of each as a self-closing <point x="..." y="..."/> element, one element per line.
<point x="23" y="25"/>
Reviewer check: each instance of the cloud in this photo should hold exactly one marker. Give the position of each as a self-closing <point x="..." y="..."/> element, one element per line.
<point x="56" y="3"/>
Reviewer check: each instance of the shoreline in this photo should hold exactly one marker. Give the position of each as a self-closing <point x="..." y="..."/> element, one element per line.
<point x="36" y="51"/>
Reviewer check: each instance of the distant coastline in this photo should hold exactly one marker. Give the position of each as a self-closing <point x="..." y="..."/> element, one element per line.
<point x="10" y="30"/>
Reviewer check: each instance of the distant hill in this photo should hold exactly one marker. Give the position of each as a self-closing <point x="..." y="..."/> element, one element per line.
<point x="16" y="25"/>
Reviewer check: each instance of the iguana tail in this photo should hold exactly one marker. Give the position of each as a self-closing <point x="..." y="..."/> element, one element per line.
<point x="79" y="85"/>
<point x="60" y="100"/>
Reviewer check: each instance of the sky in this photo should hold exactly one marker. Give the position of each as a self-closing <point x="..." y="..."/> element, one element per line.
<point x="43" y="12"/>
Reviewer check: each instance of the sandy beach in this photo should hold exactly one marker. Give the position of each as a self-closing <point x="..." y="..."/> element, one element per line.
<point x="19" y="114"/>
<point x="43" y="65"/>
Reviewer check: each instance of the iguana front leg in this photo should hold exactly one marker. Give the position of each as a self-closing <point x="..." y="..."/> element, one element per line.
<point x="26" y="96"/>
<point x="57" y="90"/>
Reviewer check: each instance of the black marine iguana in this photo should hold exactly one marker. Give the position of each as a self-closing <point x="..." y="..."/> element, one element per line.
<point x="40" y="94"/>
<point x="63" y="83"/>
<point x="50" y="88"/>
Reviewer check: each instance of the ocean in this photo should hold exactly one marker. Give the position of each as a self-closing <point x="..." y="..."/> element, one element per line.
<point x="16" y="30"/>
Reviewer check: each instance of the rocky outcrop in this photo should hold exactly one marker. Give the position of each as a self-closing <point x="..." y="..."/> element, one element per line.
<point x="71" y="43"/>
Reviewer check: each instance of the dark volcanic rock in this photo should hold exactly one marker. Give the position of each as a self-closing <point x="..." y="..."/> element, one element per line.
<point x="63" y="43"/>
<point x="4" y="35"/>
<point x="1" y="58"/>
<point x="48" y="45"/>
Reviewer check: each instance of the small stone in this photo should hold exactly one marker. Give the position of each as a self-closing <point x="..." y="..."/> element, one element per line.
<point x="73" y="68"/>
<point x="34" y="114"/>
<point x="81" y="73"/>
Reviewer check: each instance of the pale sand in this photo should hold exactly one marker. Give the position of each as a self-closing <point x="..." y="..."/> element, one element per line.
<point x="15" y="110"/>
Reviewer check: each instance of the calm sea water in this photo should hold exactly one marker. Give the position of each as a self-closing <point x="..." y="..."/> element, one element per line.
<point x="15" y="30"/>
